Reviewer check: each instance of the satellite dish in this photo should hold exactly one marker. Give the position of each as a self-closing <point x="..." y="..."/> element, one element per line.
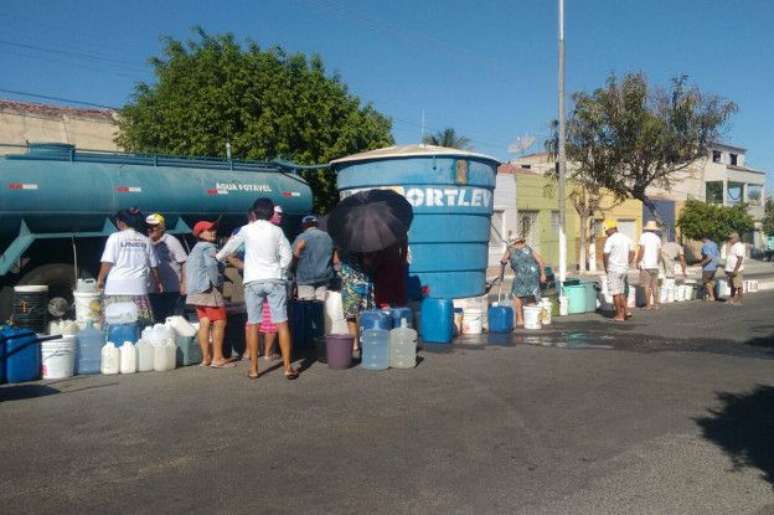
<point x="521" y="144"/>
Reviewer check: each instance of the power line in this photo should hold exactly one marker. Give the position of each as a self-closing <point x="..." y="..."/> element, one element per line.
<point x="83" y="55"/>
<point x="57" y="99"/>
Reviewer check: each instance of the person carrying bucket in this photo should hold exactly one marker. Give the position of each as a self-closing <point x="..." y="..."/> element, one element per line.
<point x="529" y="273"/>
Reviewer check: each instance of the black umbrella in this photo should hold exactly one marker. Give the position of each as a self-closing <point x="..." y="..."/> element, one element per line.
<point x="370" y="221"/>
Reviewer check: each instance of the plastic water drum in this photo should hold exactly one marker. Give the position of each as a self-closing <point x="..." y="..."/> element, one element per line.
<point x="576" y="298"/>
<point x="532" y="317"/>
<point x="22" y="354"/>
<point x="500" y="318"/>
<point x="375" y="346"/>
<point x="58" y="358"/>
<point x="437" y="320"/>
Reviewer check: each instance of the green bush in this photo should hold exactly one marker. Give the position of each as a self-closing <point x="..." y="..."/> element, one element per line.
<point x="699" y="219"/>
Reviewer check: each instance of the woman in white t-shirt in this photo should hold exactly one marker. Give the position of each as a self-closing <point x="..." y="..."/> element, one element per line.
<point x="127" y="262"/>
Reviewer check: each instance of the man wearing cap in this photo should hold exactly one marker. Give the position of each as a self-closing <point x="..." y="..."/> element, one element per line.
<point x="618" y="254"/>
<point x="267" y="257"/>
<point x="171" y="257"/>
<point x="648" y="261"/>
<point x="313" y="252"/>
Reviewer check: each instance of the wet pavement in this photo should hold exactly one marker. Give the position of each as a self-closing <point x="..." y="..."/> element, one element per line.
<point x="668" y="413"/>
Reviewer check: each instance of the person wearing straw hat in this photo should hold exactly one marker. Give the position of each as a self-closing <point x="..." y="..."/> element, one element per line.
<point x="618" y="254"/>
<point x="529" y="272"/>
<point x="648" y="261"/>
<point x="171" y="257"/>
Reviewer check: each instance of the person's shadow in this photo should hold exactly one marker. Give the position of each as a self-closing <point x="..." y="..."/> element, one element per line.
<point x="743" y="427"/>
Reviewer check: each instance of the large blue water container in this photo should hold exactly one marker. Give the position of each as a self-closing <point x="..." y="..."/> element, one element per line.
<point x="375" y="319"/>
<point x="376" y="349"/>
<point x="22" y="354"/>
<point x="120" y="333"/>
<point x="451" y="192"/>
<point x="437" y="320"/>
<point x="88" y="354"/>
<point x="402" y="313"/>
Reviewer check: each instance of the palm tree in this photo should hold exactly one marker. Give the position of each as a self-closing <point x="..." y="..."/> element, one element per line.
<point x="447" y="138"/>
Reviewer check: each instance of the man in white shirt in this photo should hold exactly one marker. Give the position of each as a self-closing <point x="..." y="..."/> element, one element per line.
<point x="618" y="254"/>
<point x="648" y="261"/>
<point x="171" y="257"/>
<point x="267" y="257"/>
<point x="734" y="268"/>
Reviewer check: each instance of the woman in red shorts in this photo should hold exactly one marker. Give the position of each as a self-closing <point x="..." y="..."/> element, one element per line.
<point x="204" y="281"/>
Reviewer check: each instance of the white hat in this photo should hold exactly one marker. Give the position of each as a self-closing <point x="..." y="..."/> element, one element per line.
<point x="652" y="225"/>
<point x="278" y="209"/>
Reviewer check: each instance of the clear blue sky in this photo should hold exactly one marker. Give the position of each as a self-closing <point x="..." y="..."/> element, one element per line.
<point x="486" y="68"/>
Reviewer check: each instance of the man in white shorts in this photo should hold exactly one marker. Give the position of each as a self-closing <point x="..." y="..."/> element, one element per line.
<point x="618" y="254"/>
<point x="649" y="261"/>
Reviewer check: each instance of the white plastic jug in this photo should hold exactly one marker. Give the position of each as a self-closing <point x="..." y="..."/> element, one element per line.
<point x="164" y="356"/>
<point x="160" y="334"/>
<point x="545" y="314"/>
<point x="403" y="346"/>
<point x="128" y="358"/>
<point x="532" y="317"/>
<point x="335" y="323"/>
<point x="86" y="286"/>
<point x="171" y="350"/>
<point x="144" y="355"/>
<point x="111" y="359"/>
<point x="121" y="313"/>
<point x="181" y="326"/>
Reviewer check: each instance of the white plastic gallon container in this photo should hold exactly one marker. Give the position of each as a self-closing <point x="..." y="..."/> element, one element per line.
<point x="545" y="314"/>
<point x="58" y="357"/>
<point x="164" y="355"/>
<point x="472" y="322"/>
<point x="532" y="317"/>
<point x="111" y="359"/>
<point x="121" y="313"/>
<point x="181" y="326"/>
<point x="128" y="358"/>
<point x="171" y="350"/>
<point x="145" y="355"/>
<point x="403" y="346"/>
<point x="86" y="286"/>
<point x="88" y="306"/>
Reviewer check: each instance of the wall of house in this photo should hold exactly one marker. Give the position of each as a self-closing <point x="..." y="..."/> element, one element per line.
<point x="504" y="225"/>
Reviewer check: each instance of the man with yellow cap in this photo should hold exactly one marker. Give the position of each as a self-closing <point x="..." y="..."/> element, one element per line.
<point x="618" y="254"/>
<point x="171" y="257"/>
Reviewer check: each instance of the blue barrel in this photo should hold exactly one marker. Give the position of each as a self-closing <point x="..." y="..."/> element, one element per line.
<point x="451" y="192"/>
<point x="437" y="320"/>
<point x="401" y="313"/>
<point x="120" y="333"/>
<point x="22" y="354"/>
<point x="375" y="319"/>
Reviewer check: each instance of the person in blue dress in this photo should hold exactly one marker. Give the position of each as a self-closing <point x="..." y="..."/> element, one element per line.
<point x="529" y="272"/>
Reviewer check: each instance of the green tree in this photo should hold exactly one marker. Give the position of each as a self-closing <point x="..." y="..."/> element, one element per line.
<point x="267" y="104"/>
<point x="628" y="136"/>
<point x="768" y="218"/>
<point x="447" y="138"/>
<point x="699" y="219"/>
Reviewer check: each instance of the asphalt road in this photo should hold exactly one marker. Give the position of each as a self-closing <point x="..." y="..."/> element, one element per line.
<point x="671" y="413"/>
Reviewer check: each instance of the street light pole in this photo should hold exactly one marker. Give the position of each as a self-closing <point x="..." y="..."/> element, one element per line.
<point x="562" y="154"/>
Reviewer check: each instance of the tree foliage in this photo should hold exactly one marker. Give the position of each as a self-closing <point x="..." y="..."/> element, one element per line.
<point x="268" y="104"/>
<point x="768" y="218"/>
<point x="699" y="219"/>
<point x="628" y="136"/>
<point x="447" y="138"/>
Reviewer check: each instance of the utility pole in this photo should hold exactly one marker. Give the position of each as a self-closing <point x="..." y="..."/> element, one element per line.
<point x="562" y="154"/>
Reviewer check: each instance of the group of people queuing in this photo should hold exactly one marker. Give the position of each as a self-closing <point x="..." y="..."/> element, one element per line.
<point x="149" y="267"/>
<point x="655" y="259"/>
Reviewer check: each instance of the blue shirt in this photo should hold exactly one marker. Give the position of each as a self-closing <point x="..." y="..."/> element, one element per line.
<point x="314" y="263"/>
<point x="202" y="270"/>
<point x="710" y="250"/>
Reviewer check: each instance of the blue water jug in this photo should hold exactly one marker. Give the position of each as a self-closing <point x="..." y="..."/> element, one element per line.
<point x="374" y="319"/>
<point x="402" y="313"/>
<point x="22" y="354"/>
<point x="88" y="353"/>
<point x="437" y="320"/>
<point x="500" y="318"/>
<point x="120" y="333"/>
<point x="375" y="344"/>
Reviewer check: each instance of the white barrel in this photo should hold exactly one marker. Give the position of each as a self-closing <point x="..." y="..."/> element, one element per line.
<point x="472" y="322"/>
<point x="88" y="306"/>
<point x="545" y="314"/>
<point x="58" y="358"/>
<point x="532" y="317"/>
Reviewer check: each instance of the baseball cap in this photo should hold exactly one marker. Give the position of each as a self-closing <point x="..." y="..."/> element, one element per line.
<point x="278" y="209"/>
<point x="609" y="224"/>
<point x="309" y="219"/>
<point x="202" y="226"/>
<point x="154" y="219"/>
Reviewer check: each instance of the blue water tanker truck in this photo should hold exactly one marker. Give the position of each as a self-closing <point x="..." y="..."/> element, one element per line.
<point x="57" y="205"/>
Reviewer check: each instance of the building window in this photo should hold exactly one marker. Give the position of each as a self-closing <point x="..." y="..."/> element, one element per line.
<point x="527" y="167"/>
<point x="716" y="156"/>
<point x="754" y="194"/>
<point x="735" y="193"/>
<point x="714" y="190"/>
<point x="733" y="158"/>
<point x="555" y="221"/>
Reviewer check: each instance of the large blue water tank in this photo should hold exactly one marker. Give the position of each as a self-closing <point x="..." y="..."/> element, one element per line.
<point x="451" y="192"/>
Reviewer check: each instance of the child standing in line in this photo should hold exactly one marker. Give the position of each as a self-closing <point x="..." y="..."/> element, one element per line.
<point x="204" y="280"/>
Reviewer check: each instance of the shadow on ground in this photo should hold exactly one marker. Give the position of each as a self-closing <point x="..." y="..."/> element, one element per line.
<point x="743" y="427"/>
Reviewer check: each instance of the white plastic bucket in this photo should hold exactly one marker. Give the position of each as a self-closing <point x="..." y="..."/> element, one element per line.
<point x="88" y="306"/>
<point x="532" y="317"/>
<point x="475" y="305"/>
<point x="545" y="314"/>
<point x="472" y="322"/>
<point x="58" y="358"/>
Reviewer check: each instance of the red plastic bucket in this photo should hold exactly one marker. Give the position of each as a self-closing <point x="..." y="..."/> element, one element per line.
<point x="338" y="350"/>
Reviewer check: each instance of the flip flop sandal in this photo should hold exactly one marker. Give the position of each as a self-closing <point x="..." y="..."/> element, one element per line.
<point x="225" y="364"/>
<point x="252" y="376"/>
<point x="291" y="374"/>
